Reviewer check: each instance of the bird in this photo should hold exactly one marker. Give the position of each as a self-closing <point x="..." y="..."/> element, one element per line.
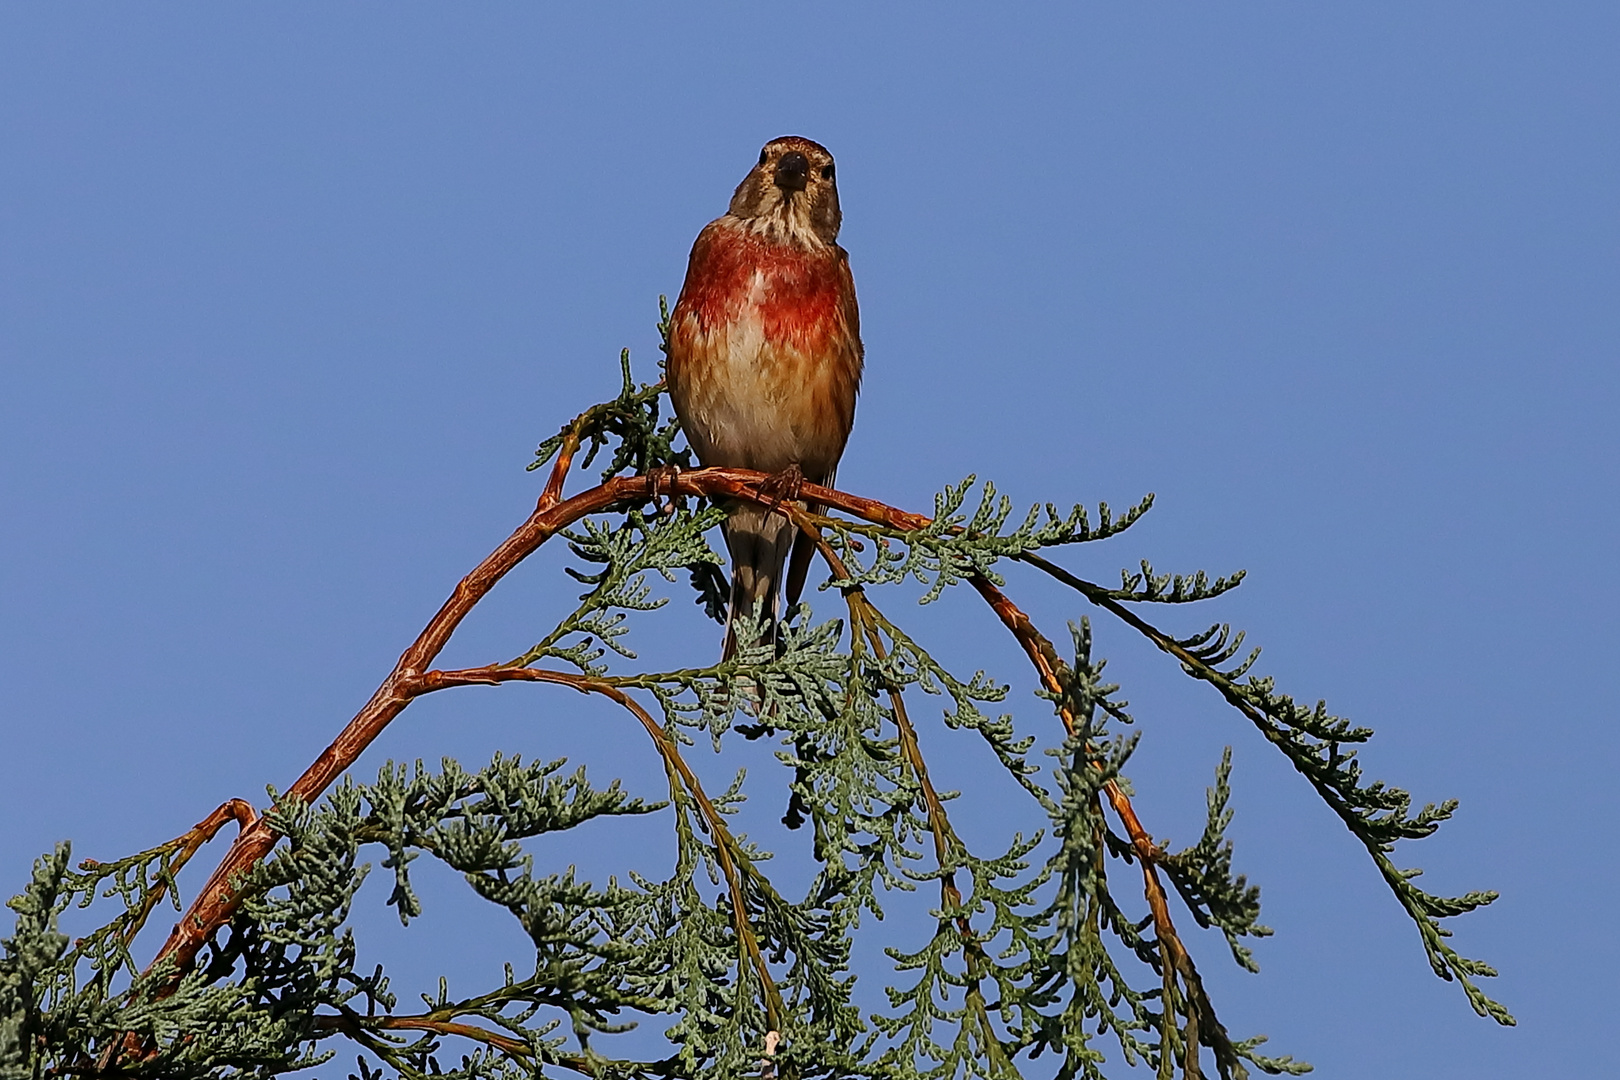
<point x="764" y="359"/>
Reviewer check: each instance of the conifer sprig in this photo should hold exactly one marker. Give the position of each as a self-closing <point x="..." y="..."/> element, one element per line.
<point x="1320" y="746"/>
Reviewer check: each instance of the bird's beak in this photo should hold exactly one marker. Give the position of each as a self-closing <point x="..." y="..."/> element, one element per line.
<point x="792" y="172"/>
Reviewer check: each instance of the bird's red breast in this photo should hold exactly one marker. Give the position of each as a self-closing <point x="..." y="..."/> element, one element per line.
<point x="794" y="293"/>
<point x="764" y="352"/>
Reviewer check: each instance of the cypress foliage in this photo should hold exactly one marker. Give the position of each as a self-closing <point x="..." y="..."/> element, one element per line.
<point x="1039" y="964"/>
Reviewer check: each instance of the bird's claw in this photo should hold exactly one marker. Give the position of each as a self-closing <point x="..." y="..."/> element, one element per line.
<point x="783" y="486"/>
<point x="664" y="477"/>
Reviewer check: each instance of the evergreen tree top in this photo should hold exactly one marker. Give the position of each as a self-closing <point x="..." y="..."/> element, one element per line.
<point x="1039" y="962"/>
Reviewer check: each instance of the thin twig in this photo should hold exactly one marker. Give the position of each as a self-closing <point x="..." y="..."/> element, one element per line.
<point x="1176" y="958"/>
<point x="726" y="847"/>
<point x="552" y="495"/>
<point x="351" y="1024"/>
<point x="864" y="616"/>
<point x="184" y="847"/>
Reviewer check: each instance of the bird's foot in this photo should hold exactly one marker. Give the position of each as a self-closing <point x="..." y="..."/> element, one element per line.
<point x="663" y="478"/>
<point x="783" y="486"/>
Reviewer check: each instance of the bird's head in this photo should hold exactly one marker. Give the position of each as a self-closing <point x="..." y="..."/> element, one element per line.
<point x="792" y="193"/>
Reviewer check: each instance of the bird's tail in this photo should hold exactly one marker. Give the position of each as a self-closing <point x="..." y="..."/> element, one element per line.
<point x="759" y="540"/>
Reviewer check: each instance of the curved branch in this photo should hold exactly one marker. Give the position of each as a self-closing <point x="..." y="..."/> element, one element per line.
<point x="1201" y="1021"/>
<point x="725" y="844"/>
<point x="221" y="895"/>
<point x="863" y="614"/>
<point x="358" y="1027"/>
<point x="353" y="1024"/>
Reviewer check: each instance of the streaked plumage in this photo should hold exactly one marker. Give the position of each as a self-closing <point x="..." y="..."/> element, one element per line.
<point x="765" y="351"/>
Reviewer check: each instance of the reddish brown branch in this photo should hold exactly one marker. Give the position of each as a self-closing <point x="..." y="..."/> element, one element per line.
<point x="180" y="850"/>
<point x="1050" y="668"/>
<point x="1200" y="1013"/>
<point x="352" y="1025"/>
<point x="183" y="848"/>
<point x="359" y="1027"/>
<point x="237" y="810"/>
<point x="220" y="896"/>
<point x="863" y="615"/>
<point x="552" y="495"/>
<point x="724" y="843"/>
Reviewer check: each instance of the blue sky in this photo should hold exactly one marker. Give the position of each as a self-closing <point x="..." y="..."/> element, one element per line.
<point x="288" y="294"/>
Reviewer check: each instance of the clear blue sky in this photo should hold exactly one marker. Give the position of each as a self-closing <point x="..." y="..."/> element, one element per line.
<point x="288" y="294"/>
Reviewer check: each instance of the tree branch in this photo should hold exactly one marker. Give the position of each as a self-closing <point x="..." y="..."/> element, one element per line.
<point x="221" y="896"/>
<point x="1201" y="1020"/>
<point x="727" y="850"/>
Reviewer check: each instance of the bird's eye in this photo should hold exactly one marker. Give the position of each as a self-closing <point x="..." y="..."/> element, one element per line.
<point x="762" y="156"/>
<point x="826" y="172"/>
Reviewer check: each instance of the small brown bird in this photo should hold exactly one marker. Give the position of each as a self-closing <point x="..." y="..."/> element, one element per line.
<point x="765" y="355"/>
